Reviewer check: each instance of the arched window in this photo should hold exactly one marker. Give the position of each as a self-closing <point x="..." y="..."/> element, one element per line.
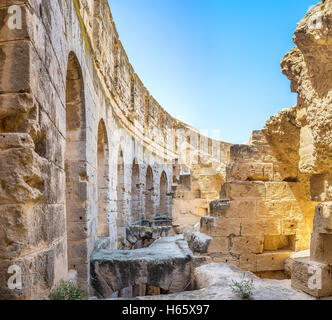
<point x="103" y="181"/>
<point x="149" y="207"/>
<point x="163" y="203"/>
<point x="135" y="194"/>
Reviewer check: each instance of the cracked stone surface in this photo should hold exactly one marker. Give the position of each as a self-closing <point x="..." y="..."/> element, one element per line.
<point x="165" y="264"/>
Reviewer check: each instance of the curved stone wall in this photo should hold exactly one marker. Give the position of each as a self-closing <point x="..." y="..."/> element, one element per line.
<point x="75" y="120"/>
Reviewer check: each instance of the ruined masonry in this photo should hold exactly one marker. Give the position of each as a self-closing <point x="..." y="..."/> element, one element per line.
<point x="100" y="184"/>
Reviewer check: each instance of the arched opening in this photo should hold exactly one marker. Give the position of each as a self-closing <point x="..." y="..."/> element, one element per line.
<point x="135" y="194"/>
<point x="75" y="167"/>
<point x="149" y="210"/>
<point x="103" y="181"/>
<point x="163" y="205"/>
<point x="188" y="151"/>
<point x="120" y="190"/>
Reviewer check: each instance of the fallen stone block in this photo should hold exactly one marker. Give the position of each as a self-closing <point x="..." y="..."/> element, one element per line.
<point x="312" y="277"/>
<point x="165" y="264"/>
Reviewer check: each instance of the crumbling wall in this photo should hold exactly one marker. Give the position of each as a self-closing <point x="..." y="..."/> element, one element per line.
<point x="264" y="213"/>
<point x="308" y="66"/>
<point x="198" y="174"/>
<point x="273" y="183"/>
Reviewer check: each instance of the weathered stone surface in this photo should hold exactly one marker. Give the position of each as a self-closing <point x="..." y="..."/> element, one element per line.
<point x="165" y="264"/>
<point x="214" y="282"/>
<point x="312" y="277"/>
<point x="289" y="262"/>
<point x="198" y="242"/>
<point x="80" y="158"/>
<point x="264" y="212"/>
<point x="321" y="248"/>
<point x="323" y="218"/>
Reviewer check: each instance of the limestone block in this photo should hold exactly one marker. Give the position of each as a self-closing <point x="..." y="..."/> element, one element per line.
<point x="244" y="245"/>
<point x="18" y="113"/>
<point x="79" y="230"/>
<point x="77" y="212"/>
<point x="219" y="207"/>
<point x="281" y="190"/>
<point x="40" y="271"/>
<point x="323" y="218"/>
<point x="52" y="222"/>
<point x="248" y="262"/>
<point x="207" y="225"/>
<point x="55" y="180"/>
<point x="14" y="234"/>
<point x="312" y="277"/>
<point x="224" y="227"/>
<point x="260" y="227"/>
<point x="289" y="262"/>
<point x="15" y="59"/>
<point x="218" y="245"/>
<point x="272" y="261"/>
<point x="245" y="190"/>
<point x="240" y="152"/>
<point x="242" y="209"/>
<point x="278" y="208"/>
<point x="78" y="250"/>
<point x="250" y="171"/>
<point x="15" y="140"/>
<point x="165" y="264"/>
<point x="321" y="248"/>
<point x="200" y="242"/>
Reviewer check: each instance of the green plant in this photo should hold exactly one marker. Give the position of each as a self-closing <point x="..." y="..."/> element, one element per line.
<point x="243" y="288"/>
<point x="67" y="290"/>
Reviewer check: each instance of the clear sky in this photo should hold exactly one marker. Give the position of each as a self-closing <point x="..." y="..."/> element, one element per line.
<point x="213" y="64"/>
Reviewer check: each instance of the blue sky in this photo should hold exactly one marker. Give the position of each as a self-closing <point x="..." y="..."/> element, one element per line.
<point x="213" y="64"/>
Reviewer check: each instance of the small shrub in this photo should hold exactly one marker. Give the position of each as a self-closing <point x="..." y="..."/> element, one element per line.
<point x="67" y="290"/>
<point x="243" y="288"/>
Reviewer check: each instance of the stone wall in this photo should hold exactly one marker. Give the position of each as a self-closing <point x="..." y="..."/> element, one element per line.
<point x="86" y="151"/>
<point x="308" y="66"/>
<point x="197" y="179"/>
<point x="80" y="153"/>
<point x="273" y="183"/>
<point x="264" y="213"/>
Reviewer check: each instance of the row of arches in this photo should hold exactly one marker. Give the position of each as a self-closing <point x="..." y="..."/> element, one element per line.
<point x="142" y="203"/>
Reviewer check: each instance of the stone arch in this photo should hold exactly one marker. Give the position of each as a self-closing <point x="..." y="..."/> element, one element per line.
<point x="75" y="166"/>
<point x="103" y="178"/>
<point x="149" y="208"/>
<point x="163" y="199"/>
<point x="135" y="193"/>
<point x="120" y="190"/>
